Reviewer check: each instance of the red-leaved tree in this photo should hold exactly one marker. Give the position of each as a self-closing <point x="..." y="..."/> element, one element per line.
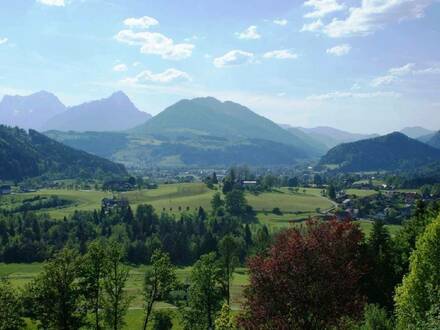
<point x="309" y="279"/>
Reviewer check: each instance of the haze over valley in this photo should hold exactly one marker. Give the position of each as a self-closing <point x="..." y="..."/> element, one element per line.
<point x="219" y="165"/>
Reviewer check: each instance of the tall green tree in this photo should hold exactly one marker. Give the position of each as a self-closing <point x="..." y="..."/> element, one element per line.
<point x="10" y="307"/>
<point x="229" y="249"/>
<point x="331" y="192"/>
<point x="205" y="294"/>
<point x="418" y="297"/>
<point x="382" y="277"/>
<point x="235" y="203"/>
<point x="115" y="300"/>
<point x="94" y="269"/>
<point x="216" y="202"/>
<point x="160" y="280"/>
<point x="55" y="297"/>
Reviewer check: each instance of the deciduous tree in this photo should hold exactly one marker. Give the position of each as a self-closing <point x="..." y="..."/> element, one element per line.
<point x="160" y="279"/>
<point x="309" y="279"/>
<point x="10" y="307"/>
<point x="205" y="294"/>
<point x="418" y="298"/>
<point x="115" y="299"/>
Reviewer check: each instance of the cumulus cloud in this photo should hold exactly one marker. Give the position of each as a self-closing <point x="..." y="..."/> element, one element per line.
<point x="343" y="95"/>
<point x="250" y="33"/>
<point x="120" y="67"/>
<point x="322" y="8"/>
<point x="393" y="75"/>
<point x="165" y="77"/>
<point x="57" y="3"/>
<point x="313" y="26"/>
<point x="282" y="54"/>
<point x="233" y="58"/>
<point x="3" y="40"/>
<point x="339" y="50"/>
<point x="282" y="22"/>
<point x="156" y="43"/>
<point x="144" y="22"/>
<point x="374" y="15"/>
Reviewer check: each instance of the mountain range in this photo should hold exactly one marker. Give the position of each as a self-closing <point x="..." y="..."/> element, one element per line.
<point x="329" y="136"/>
<point x="32" y="154"/>
<point x="416" y="132"/>
<point x="44" y="111"/>
<point x="394" y="151"/>
<point x="31" y="111"/>
<point x="197" y="132"/>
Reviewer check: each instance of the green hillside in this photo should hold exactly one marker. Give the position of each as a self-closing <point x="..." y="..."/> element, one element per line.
<point x="25" y="155"/>
<point x="390" y="152"/>
<point x="199" y="132"/>
<point x="209" y="116"/>
<point x="434" y="141"/>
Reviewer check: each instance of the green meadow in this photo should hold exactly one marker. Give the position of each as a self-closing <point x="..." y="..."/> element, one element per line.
<point x="20" y="274"/>
<point x="177" y="198"/>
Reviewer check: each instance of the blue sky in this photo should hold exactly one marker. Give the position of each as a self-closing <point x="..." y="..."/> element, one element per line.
<point x="363" y="66"/>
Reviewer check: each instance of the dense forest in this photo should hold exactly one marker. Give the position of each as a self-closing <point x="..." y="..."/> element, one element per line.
<point x="390" y="152"/>
<point x="26" y="155"/>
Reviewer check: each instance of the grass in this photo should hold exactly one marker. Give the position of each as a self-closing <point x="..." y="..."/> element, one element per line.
<point x="176" y="198"/>
<point x="367" y="225"/>
<point x="21" y="274"/>
<point x="361" y="192"/>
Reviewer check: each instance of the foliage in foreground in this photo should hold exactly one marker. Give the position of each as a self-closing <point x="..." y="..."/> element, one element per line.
<point x="309" y="279"/>
<point x="418" y="298"/>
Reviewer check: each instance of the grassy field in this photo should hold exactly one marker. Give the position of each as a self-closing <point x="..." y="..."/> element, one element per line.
<point x="176" y="198"/>
<point x="20" y="274"/>
<point x="367" y="226"/>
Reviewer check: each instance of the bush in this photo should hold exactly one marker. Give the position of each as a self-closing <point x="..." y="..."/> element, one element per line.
<point x="162" y="321"/>
<point x="376" y="318"/>
<point x="277" y="211"/>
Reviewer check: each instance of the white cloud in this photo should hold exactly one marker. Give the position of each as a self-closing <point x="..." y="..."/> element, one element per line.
<point x="233" y="58"/>
<point x="429" y="70"/>
<point x="144" y="22"/>
<point x="3" y="41"/>
<point x="355" y="86"/>
<point x="120" y="68"/>
<point x="393" y="75"/>
<point x="168" y="76"/>
<point x="57" y="3"/>
<point x="339" y="50"/>
<point x="250" y="33"/>
<point x="374" y="15"/>
<point x="156" y="43"/>
<point x="343" y="95"/>
<point x="282" y="54"/>
<point x="282" y="22"/>
<point x="383" y="80"/>
<point x="402" y="70"/>
<point x="322" y="8"/>
<point x="314" y="26"/>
